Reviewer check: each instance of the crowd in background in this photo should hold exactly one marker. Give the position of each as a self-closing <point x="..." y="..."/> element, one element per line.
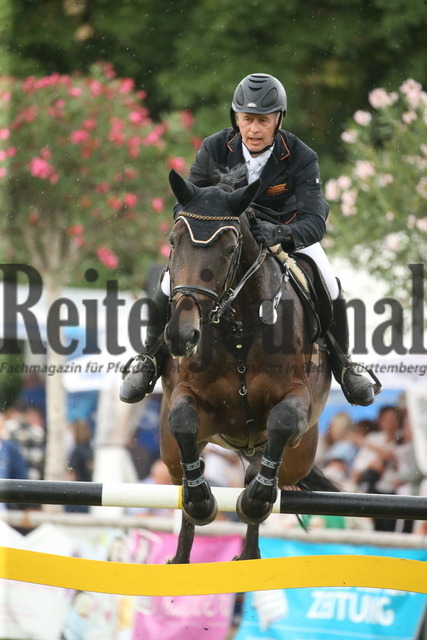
<point x="369" y="456"/>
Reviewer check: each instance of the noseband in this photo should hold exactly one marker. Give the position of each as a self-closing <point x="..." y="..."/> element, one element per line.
<point x="225" y="297"/>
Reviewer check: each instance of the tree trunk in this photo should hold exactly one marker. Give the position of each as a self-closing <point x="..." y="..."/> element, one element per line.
<point x="55" y="464"/>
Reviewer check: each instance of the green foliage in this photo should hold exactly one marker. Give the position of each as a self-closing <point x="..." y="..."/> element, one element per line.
<point x="379" y="209"/>
<point x="86" y="170"/>
<point x="191" y="55"/>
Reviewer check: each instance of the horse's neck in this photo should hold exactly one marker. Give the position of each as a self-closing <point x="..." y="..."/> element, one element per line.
<point x="263" y="280"/>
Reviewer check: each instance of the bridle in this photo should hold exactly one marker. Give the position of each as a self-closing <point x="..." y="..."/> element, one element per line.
<point x="228" y="293"/>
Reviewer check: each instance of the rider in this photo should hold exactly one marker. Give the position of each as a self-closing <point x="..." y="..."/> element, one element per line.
<point x="291" y="195"/>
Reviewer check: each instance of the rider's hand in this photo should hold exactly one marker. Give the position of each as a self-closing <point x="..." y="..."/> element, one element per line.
<point x="268" y="234"/>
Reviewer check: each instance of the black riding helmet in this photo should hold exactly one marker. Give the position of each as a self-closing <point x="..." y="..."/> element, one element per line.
<point x="259" y="93"/>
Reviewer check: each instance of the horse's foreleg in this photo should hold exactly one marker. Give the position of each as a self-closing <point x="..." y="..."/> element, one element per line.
<point x="285" y="426"/>
<point x="198" y="503"/>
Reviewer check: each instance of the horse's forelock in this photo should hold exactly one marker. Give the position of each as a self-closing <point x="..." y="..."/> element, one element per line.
<point x="227" y="179"/>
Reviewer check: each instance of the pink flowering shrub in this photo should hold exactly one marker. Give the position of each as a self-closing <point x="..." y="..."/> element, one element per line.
<point x="379" y="203"/>
<point x="85" y="171"/>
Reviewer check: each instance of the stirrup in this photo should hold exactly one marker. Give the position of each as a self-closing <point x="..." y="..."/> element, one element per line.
<point x="352" y="366"/>
<point x="142" y="357"/>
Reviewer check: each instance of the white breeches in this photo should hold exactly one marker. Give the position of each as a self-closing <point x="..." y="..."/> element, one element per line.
<point x="317" y="253"/>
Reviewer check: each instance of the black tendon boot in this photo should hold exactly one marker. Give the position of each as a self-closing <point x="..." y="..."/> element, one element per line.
<point x="357" y="387"/>
<point x="141" y="372"/>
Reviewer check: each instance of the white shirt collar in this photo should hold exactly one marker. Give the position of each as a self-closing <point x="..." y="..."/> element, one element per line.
<point x="255" y="164"/>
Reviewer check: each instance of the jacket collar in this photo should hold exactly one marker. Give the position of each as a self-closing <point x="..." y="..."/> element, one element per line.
<point x="273" y="167"/>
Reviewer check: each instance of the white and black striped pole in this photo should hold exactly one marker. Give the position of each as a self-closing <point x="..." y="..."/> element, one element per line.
<point x="153" y="496"/>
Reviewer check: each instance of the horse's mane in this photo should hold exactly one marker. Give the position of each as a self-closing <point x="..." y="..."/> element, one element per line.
<point x="226" y="179"/>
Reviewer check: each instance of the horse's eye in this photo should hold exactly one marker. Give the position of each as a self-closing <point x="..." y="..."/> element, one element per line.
<point x="171" y="240"/>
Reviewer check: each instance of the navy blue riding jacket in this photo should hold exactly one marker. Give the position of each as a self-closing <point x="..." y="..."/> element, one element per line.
<point x="290" y="181"/>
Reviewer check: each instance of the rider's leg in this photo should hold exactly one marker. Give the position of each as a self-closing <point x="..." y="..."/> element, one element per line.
<point x="142" y="371"/>
<point x="357" y="388"/>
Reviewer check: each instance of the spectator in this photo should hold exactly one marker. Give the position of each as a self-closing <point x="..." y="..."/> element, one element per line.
<point x="24" y="424"/>
<point x="80" y="464"/>
<point x="12" y="462"/>
<point x="375" y="468"/>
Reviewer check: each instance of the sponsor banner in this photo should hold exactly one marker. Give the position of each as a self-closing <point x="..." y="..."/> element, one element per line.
<point x="327" y="613"/>
<point x="42" y="612"/>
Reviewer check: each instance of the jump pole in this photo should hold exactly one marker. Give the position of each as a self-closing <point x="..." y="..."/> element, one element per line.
<point x="153" y="496"/>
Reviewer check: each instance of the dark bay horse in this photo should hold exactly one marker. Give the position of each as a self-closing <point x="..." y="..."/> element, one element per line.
<point x="244" y="371"/>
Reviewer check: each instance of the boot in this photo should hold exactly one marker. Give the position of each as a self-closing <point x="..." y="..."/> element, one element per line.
<point x="141" y="372"/>
<point x="357" y="388"/>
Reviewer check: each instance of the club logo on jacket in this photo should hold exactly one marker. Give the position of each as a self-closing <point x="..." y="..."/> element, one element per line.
<point x="276" y="189"/>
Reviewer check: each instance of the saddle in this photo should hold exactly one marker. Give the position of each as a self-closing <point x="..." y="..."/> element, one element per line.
<point x="308" y="283"/>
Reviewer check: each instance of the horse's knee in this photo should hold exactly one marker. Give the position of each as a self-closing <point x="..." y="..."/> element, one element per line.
<point x="183" y="420"/>
<point x="287" y="423"/>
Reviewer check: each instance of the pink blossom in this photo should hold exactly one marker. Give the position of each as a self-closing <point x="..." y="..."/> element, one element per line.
<point x="379" y="98"/>
<point x="349" y="136"/>
<point x="5" y="96"/>
<point x="421" y="224"/>
<point x="75" y="230"/>
<point x="95" y="88"/>
<point x="131" y="174"/>
<point x="421" y="187"/>
<point x="75" y="92"/>
<point x="141" y="94"/>
<point x="165" y="250"/>
<point x="196" y="142"/>
<point x="4" y="133"/>
<point x="3" y="155"/>
<point x="107" y="257"/>
<point x="384" y="179"/>
<point x="332" y="191"/>
<point x="349" y="197"/>
<point x="411" y="221"/>
<point x="3" y="172"/>
<point x="138" y="116"/>
<point x="348" y="210"/>
<point x="164" y="227"/>
<point x="362" y="117"/>
<point x="364" y="169"/>
<point x="78" y="136"/>
<point x="89" y="123"/>
<point x="154" y="136"/>
<point x="40" y="168"/>
<point x="158" y="205"/>
<point x="393" y="241"/>
<point x="413" y="92"/>
<point x="389" y="216"/>
<point x="115" y="203"/>
<point x="130" y="200"/>
<point x="11" y="151"/>
<point x="344" y="182"/>
<point x="187" y="119"/>
<point x="177" y="163"/>
<point x="126" y="85"/>
<point x="102" y="187"/>
<point x="409" y="116"/>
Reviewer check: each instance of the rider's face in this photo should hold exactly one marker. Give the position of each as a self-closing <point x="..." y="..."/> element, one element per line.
<point x="257" y="130"/>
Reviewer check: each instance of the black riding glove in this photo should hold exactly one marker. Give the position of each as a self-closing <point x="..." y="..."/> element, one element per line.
<point x="267" y="234"/>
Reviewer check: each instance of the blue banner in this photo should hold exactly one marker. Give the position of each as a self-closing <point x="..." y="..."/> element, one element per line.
<point x="344" y="613"/>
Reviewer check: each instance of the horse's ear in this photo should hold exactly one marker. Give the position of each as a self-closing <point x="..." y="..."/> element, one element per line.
<point x="240" y="199"/>
<point x="183" y="189"/>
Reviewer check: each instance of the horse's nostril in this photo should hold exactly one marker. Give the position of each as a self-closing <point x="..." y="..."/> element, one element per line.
<point x="195" y="337"/>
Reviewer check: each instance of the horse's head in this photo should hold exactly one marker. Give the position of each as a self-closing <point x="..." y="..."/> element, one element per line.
<point x="206" y="243"/>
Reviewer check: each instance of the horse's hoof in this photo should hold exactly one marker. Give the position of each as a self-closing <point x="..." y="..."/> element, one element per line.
<point x="201" y="521"/>
<point x="260" y="516"/>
